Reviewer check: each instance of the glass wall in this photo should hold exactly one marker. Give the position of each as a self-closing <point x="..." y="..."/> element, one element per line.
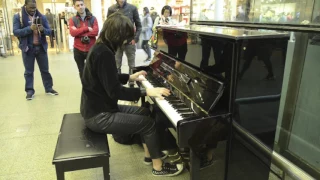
<point x="63" y="10"/>
<point x="301" y="12"/>
<point x="298" y="135"/>
<point x="180" y="9"/>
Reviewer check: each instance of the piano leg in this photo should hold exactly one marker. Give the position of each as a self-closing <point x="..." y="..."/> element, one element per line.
<point x="194" y="166"/>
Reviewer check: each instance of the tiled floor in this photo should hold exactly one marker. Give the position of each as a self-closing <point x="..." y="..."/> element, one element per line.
<point x="29" y="129"/>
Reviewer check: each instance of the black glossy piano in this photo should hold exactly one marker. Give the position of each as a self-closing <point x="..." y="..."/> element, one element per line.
<point x="207" y="69"/>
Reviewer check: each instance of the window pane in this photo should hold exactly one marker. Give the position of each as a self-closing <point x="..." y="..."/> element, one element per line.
<point x="257" y="11"/>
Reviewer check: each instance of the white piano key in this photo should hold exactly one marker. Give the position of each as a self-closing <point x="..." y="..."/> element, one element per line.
<point x="165" y="106"/>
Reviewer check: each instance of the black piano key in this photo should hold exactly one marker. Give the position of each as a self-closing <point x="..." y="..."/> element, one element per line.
<point x="183" y="109"/>
<point x="179" y="107"/>
<point x="174" y="100"/>
<point x="189" y="116"/>
<point x="187" y="113"/>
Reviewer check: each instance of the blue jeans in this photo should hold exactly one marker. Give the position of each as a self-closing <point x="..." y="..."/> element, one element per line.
<point x="38" y="53"/>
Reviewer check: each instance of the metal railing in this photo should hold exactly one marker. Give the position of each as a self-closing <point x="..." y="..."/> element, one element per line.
<point x="258" y="99"/>
<point x="282" y="163"/>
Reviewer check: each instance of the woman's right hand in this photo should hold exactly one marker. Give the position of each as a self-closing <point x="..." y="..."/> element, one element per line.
<point x="158" y="92"/>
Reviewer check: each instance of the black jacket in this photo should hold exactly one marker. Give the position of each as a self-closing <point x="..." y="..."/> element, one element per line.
<point x="131" y="12"/>
<point x="102" y="85"/>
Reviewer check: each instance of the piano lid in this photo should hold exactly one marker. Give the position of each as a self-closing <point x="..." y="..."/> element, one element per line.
<point x="203" y="90"/>
<point x="228" y="32"/>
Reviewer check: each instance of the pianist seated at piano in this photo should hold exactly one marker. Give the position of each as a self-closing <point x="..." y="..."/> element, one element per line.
<point x="102" y="87"/>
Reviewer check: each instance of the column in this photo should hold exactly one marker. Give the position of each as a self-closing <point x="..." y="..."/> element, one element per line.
<point x="96" y="10"/>
<point x="218" y="11"/>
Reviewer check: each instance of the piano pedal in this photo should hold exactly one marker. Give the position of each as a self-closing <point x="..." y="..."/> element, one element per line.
<point x="173" y="155"/>
<point x="187" y="158"/>
<point x="185" y="153"/>
<point x="175" y="161"/>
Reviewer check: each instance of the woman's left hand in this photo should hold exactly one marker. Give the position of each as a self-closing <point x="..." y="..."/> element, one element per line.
<point x="138" y="76"/>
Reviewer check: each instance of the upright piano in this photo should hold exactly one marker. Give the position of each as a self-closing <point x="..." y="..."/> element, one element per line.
<point x="205" y="97"/>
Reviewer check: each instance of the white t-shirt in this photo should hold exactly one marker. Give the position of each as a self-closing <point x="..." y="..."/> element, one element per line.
<point x="163" y="21"/>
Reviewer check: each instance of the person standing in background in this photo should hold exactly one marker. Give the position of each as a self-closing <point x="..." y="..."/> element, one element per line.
<point x="31" y="28"/>
<point x="63" y="16"/>
<point x="50" y="17"/>
<point x="129" y="48"/>
<point x="146" y="32"/>
<point x="176" y="41"/>
<point x="153" y="14"/>
<point x="84" y="28"/>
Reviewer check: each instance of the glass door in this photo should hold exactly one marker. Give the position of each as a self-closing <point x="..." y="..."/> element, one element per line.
<point x="55" y="27"/>
<point x="9" y="43"/>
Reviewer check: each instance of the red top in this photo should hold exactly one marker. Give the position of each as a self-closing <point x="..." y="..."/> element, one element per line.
<point x="83" y="30"/>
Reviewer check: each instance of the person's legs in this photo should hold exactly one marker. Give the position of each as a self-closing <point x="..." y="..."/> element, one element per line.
<point x="51" y="38"/>
<point x="182" y="51"/>
<point x="134" y="120"/>
<point x="249" y="54"/>
<point x="79" y="57"/>
<point x="42" y="60"/>
<point x="146" y="48"/>
<point x="130" y="51"/>
<point x="217" y="48"/>
<point x="265" y="55"/>
<point x="172" y="50"/>
<point x="167" y="141"/>
<point x="205" y="53"/>
<point x="118" y="57"/>
<point x="130" y="120"/>
<point x="28" y="62"/>
<point x="143" y="45"/>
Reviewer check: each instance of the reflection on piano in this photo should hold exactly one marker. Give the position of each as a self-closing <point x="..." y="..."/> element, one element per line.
<point x="190" y="107"/>
<point x="206" y="95"/>
<point x="193" y="94"/>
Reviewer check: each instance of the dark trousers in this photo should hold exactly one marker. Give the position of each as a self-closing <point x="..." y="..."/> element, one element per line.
<point x="146" y="48"/>
<point x="39" y="54"/>
<point x="179" y="51"/>
<point x="263" y="52"/>
<point x="129" y="120"/>
<point x="51" y="38"/>
<point x="130" y="51"/>
<point x="80" y="57"/>
<point x="167" y="141"/>
<point x="207" y="45"/>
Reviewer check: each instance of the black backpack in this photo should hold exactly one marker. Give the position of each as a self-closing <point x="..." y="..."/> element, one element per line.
<point x="154" y="15"/>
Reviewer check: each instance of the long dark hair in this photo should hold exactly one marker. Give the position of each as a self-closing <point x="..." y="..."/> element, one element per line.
<point x="116" y="29"/>
<point x="166" y="7"/>
<point x="146" y="10"/>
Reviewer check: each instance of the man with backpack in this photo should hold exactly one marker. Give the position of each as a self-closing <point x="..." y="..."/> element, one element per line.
<point x="31" y="28"/>
<point x="84" y="28"/>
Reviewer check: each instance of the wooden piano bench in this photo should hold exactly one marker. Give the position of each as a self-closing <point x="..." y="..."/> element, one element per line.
<point x="80" y="148"/>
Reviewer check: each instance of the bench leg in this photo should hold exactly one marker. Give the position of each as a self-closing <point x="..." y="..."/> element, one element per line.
<point x="59" y="172"/>
<point x="106" y="171"/>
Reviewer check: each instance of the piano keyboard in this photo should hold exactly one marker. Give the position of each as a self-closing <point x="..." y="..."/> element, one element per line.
<point x="171" y="106"/>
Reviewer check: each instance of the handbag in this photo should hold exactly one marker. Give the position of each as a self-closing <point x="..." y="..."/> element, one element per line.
<point x="153" y="41"/>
